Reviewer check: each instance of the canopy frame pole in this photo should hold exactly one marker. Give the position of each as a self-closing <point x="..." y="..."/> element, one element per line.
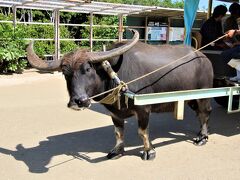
<point x="120" y="27"/>
<point x="57" y="33"/>
<point x="14" y="17"/>
<point x="209" y="8"/>
<point x="91" y="32"/>
<point x="146" y="29"/>
<point x="168" y="31"/>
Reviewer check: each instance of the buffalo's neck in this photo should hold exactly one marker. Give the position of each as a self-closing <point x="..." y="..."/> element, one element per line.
<point x="103" y="86"/>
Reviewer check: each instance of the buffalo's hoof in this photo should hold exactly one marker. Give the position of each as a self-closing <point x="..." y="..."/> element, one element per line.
<point x="116" y="152"/>
<point x="148" y="155"/>
<point x="200" y="140"/>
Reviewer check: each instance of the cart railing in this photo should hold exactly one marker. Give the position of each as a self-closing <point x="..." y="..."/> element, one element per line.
<point x="180" y="96"/>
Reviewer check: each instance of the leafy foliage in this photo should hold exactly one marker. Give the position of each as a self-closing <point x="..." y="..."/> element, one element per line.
<point x="101" y="32"/>
<point x="47" y="32"/>
<point x="12" y="49"/>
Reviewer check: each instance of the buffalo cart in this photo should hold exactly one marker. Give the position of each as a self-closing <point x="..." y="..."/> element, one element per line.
<point x="180" y="96"/>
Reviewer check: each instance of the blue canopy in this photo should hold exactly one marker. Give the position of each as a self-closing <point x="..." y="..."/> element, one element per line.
<point x="190" y="10"/>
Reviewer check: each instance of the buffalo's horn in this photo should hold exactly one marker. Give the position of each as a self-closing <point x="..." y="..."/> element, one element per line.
<point x="100" y="56"/>
<point x="38" y="63"/>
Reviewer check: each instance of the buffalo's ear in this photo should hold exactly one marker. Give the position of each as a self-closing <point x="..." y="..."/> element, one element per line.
<point x="91" y="64"/>
<point x="100" y="71"/>
<point x="118" y="62"/>
<point x="96" y="66"/>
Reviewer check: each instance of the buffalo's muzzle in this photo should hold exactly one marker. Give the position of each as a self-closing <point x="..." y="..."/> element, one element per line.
<point x="83" y="102"/>
<point x="79" y="103"/>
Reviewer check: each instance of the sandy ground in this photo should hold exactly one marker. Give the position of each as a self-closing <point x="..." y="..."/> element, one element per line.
<point x="42" y="139"/>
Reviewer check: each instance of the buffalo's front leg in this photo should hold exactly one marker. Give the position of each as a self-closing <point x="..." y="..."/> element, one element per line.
<point x="118" y="150"/>
<point x="148" y="150"/>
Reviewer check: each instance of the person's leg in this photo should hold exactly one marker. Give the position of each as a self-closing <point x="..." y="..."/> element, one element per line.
<point x="238" y="72"/>
<point x="236" y="78"/>
<point x="236" y="52"/>
<point x="231" y="53"/>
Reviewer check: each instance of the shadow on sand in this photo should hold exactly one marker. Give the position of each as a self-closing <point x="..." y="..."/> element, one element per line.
<point x="78" y="144"/>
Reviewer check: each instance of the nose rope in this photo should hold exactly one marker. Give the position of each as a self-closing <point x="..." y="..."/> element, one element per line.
<point x="120" y="86"/>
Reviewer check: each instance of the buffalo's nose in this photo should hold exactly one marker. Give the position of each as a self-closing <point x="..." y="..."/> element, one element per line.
<point x="83" y="102"/>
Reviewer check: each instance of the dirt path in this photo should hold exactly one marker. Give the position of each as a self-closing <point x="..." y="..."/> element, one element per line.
<point x="42" y="139"/>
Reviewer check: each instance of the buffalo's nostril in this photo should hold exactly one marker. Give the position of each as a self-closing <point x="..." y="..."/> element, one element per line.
<point x="81" y="101"/>
<point x="78" y="101"/>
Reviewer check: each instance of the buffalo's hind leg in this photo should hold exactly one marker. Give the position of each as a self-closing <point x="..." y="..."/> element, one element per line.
<point x="148" y="151"/>
<point x="203" y="112"/>
<point x="118" y="150"/>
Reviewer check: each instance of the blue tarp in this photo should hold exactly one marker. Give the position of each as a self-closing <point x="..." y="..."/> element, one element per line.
<point x="190" y="10"/>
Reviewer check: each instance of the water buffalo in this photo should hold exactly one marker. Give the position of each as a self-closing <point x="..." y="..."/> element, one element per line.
<point x="85" y="78"/>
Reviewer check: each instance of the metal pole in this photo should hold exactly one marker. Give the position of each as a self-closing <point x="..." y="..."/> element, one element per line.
<point x="14" y="17"/>
<point x="168" y="31"/>
<point x="91" y="32"/>
<point x="146" y="29"/>
<point x="57" y="33"/>
<point x="120" y="28"/>
<point x="209" y="8"/>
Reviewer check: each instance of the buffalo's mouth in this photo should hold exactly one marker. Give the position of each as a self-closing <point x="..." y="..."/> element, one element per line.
<point x="78" y="106"/>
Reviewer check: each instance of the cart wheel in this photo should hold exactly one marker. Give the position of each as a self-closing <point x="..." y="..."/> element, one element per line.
<point x="223" y="101"/>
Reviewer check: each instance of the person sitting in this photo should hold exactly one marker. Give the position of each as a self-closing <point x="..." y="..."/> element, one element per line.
<point x="212" y="29"/>
<point x="231" y="21"/>
<point x="233" y="55"/>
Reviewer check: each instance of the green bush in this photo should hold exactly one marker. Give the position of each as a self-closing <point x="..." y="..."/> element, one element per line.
<point x="13" y="45"/>
<point x="47" y="32"/>
<point x="12" y="49"/>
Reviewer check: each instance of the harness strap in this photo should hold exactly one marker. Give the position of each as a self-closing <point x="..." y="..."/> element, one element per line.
<point x="114" y="96"/>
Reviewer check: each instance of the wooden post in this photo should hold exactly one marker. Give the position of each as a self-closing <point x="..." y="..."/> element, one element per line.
<point x="120" y="28"/>
<point x="91" y="32"/>
<point x="57" y="33"/>
<point x="146" y="30"/>
<point x="179" y="110"/>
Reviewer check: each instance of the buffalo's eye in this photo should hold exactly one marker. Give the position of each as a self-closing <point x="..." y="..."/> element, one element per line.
<point x="88" y="69"/>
